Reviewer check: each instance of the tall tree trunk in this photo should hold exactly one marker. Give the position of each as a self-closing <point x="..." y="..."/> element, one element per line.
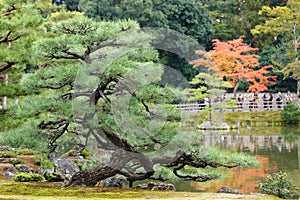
<point x="298" y="87"/>
<point x="236" y="88"/>
<point x="4" y="99"/>
<point x="210" y="110"/>
<point x="221" y="116"/>
<point x="296" y="45"/>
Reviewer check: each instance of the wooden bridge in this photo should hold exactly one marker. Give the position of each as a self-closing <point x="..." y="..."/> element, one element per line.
<point x="244" y="106"/>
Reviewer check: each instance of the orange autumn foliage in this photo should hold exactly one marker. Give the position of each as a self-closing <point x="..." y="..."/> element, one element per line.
<point x="235" y="61"/>
<point x="246" y="180"/>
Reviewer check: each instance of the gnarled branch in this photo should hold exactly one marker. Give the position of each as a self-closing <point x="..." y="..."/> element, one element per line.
<point x="200" y="178"/>
<point x="75" y="55"/>
<point x="8" y="65"/>
<point x="9" y="10"/>
<point x="59" y="86"/>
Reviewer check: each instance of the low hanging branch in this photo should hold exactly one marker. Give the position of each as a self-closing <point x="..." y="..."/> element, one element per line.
<point x="144" y="163"/>
<point x="75" y="55"/>
<point x="67" y="81"/>
<point x="60" y="127"/>
<point x="200" y="178"/>
<point x="9" y="10"/>
<point x="8" y="65"/>
<point x="7" y="39"/>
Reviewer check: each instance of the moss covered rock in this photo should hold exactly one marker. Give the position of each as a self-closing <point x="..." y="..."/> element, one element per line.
<point x="26" y="177"/>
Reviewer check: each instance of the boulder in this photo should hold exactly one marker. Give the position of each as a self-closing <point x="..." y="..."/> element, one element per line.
<point x="4" y="160"/>
<point x="157" y="186"/>
<point x="228" y="190"/>
<point x="6" y="148"/>
<point x="23" y="168"/>
<point x="77" y="159"/>
<point x="66" y="168"/>
<point x="10" y="172"/>
<point x="115" y="182"/>
<point x="143" y="186"/>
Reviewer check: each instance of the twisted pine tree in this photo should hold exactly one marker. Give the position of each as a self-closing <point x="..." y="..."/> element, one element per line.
<point x="99" y="87"/>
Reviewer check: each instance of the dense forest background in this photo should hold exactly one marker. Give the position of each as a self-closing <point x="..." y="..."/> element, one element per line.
<point x="206" y="20"/>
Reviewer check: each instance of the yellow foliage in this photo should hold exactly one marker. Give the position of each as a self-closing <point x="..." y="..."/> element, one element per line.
<point x="64" y="15"/>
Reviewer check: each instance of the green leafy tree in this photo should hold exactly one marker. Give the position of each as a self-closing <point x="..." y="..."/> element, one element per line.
<point x="100" y="10"/>
<point x="184" y="16"/>
<point x="212" y="89"/>
<point x="273" y="54"/>
<point x="188" y="17"/>
<point x="235" y="18"/>
<point x="21" y="25"/>
<point x="282" y="24"/>
<point x="290" y="114"/>
<point x="274" y="3"/>
<point x="71" y="5"/>
<point x="119" y="105"/>
<point x="19" y="22"/>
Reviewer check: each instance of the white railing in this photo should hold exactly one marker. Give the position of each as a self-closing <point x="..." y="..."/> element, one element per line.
<point x="244" y="106"/>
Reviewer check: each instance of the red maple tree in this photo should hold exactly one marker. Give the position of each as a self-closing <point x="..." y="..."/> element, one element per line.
<point x="236" y="61"/>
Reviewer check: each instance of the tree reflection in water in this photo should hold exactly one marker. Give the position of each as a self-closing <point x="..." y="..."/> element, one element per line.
<point x="277" y="148"/>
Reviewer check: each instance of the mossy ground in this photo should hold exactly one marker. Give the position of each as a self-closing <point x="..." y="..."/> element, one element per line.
<point x="51" y="191"/>
<point x="265" y="118"/>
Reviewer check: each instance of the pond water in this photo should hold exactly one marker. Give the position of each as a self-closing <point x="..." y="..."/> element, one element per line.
<point x="277" y="149"/>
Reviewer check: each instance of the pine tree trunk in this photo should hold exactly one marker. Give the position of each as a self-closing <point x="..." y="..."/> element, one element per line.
<point x="115" y="166"/>
<point x="92" y="176"/>
<point x="298" y="88"/>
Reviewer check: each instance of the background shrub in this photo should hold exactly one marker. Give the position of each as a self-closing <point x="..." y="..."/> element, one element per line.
<point x="8" y="154"/>
<point x="53" y="177"/>
<point x="26" y="136"/>
<point x="26" y="152"/>
<point x="278" y="184"/>
<point x="15" y="161"/>
<point x="85" y="153"/>
<point x="44" y="162"/>
<point x="26" y="177"/>
<point x="290" y="114"/>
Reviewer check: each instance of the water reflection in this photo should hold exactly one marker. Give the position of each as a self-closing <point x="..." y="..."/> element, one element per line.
<point x="252" y="142"/>
<point x="277" y="148"/>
